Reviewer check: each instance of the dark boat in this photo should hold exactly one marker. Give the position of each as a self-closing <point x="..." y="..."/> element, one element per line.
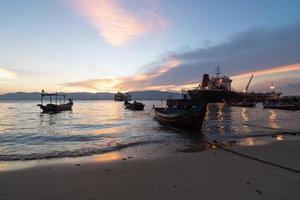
<point x="281" y="105"/>
<point x="55" y="107"/>
<point x="242" y="104"/>
<point x="134" y="106"/>
<point x="182" y="113"/>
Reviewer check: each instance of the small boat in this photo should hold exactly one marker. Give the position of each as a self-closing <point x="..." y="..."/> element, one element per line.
<point x="282" y="104"/>
<point x="182" y="113"/>
<point x="242" y="104"/>
<point x="134" y="106"/>
<point x="55" y="107"/>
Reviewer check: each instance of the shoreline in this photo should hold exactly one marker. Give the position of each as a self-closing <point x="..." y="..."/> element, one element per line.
<point x="212" y="174"/>
<point x="145" y="151"/>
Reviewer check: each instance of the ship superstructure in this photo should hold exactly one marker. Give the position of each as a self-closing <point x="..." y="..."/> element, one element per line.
<point x="218" y="82"/>
<point x="119" y="96"/>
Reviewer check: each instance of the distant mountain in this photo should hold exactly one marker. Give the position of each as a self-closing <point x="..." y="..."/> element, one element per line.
<point x="137" y="95"/>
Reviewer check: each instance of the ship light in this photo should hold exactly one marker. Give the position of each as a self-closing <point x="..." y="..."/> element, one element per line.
<point x="272" y="87"/>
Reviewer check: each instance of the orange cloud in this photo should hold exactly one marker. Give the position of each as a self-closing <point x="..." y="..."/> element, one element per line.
<point x="263" y="78"/>
<point x="274" y="70"/>
<point x="94" y="85"/>
<point x="135" y="82"/>
<point x="116" y="24"/>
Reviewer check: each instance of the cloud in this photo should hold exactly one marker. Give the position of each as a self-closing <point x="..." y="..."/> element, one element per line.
<point x="94" y="85"/>
<point x="262" y="51"/>
<point x="281" y="69"/>
<point x="138" y="81"/>
<point x="7" y="74"/>
<point x="115" y="23"/>
<point x="252" y="50"/>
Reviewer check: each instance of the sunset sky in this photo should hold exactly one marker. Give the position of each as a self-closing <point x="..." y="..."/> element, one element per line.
<point x="126" y="45"/>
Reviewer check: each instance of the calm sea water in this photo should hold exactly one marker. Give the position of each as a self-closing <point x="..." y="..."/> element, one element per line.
<point x="95" y="127"/>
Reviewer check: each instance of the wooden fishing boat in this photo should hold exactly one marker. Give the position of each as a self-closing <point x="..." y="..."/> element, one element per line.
<point x="59" y="105"/>
<point x="134" y="106"/>
<point x="182" y="113"/>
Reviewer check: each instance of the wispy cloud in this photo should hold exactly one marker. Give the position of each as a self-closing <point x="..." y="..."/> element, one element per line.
<point x="273" y="70"/>
<point x="106" y="85"/>
<point x="7" y="74"/>
<point x="115" y="23"/>
<point x="136" y="82"/>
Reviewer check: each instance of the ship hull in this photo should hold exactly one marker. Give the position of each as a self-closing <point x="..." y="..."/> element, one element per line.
<point x="215" y="96"/>
<point x="220" y="96"/>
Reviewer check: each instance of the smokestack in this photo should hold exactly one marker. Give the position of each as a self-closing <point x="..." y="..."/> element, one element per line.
<point x="205" y="80"/>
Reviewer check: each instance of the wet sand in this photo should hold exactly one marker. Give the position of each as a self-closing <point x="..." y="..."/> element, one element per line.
<point x="212" y="174"/>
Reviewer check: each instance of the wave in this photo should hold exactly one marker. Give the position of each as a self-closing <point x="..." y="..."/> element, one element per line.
<point x="38" y="139"/>
<point x="72" y="153"/>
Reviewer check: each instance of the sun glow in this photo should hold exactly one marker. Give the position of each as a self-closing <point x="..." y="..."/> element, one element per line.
<point x="7" y="74"/>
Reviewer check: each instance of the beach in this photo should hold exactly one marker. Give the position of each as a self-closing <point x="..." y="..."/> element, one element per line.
<point x="211" y="174"/>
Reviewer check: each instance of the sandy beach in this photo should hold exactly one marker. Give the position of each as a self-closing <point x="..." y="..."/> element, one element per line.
<point x="212" y="174"/>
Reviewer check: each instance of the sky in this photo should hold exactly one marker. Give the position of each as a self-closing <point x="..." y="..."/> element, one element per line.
<point x="126" y="45"/>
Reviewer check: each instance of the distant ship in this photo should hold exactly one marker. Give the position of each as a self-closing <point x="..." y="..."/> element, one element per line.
<point x="119" y="96"/>
<point x="218" y="89"/>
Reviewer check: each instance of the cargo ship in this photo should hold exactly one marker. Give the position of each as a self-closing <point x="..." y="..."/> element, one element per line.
<point x="217" y="89"/>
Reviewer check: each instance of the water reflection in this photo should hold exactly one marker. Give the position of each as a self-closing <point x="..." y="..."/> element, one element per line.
<point x="245" y="119"/>
<point x="273" y="119"/>
<point x="279" y="137"/>
<point x="107" y="125"/>
<point x="107" y="157"/>
<point x="249" y="141"/>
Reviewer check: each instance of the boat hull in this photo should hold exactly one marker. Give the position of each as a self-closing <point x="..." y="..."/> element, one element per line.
<point x="281" y="107"/>
<point x="243" y="104"/>
<point x="134" y="106"/>
<point x="53" y="108"/>
<point x="219" y="96"/>
<point x="181" y="118"/>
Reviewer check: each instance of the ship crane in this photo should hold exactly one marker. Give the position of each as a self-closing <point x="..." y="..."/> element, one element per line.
<point x="247" y="86"/>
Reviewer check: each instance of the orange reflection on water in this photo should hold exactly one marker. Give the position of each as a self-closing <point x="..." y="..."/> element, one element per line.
<point x="279" y="137"/>
<point x="220" y="111"/>
<point x="249" y="141"/>
<point x="107" y="157"/>
<point x="272" y="119"/>
<point x="245" y="115"/>
<point x="220" y="117"/>
<point x="108" y="130"/>
<point x="245" y="118"/>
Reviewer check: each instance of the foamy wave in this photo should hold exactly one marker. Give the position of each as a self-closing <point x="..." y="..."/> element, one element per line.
<point x="73" y="153"/>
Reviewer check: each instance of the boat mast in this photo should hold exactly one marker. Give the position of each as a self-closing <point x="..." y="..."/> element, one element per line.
<point x="218" y="71"/>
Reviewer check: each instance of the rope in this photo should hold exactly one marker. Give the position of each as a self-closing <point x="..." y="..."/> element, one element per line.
<point x="256" y="159"/>
<point x="278" y="129"/>
<point x="150" y="111"/>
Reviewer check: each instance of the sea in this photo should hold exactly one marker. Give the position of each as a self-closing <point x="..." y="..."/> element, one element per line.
<point x="101" y="127"/>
